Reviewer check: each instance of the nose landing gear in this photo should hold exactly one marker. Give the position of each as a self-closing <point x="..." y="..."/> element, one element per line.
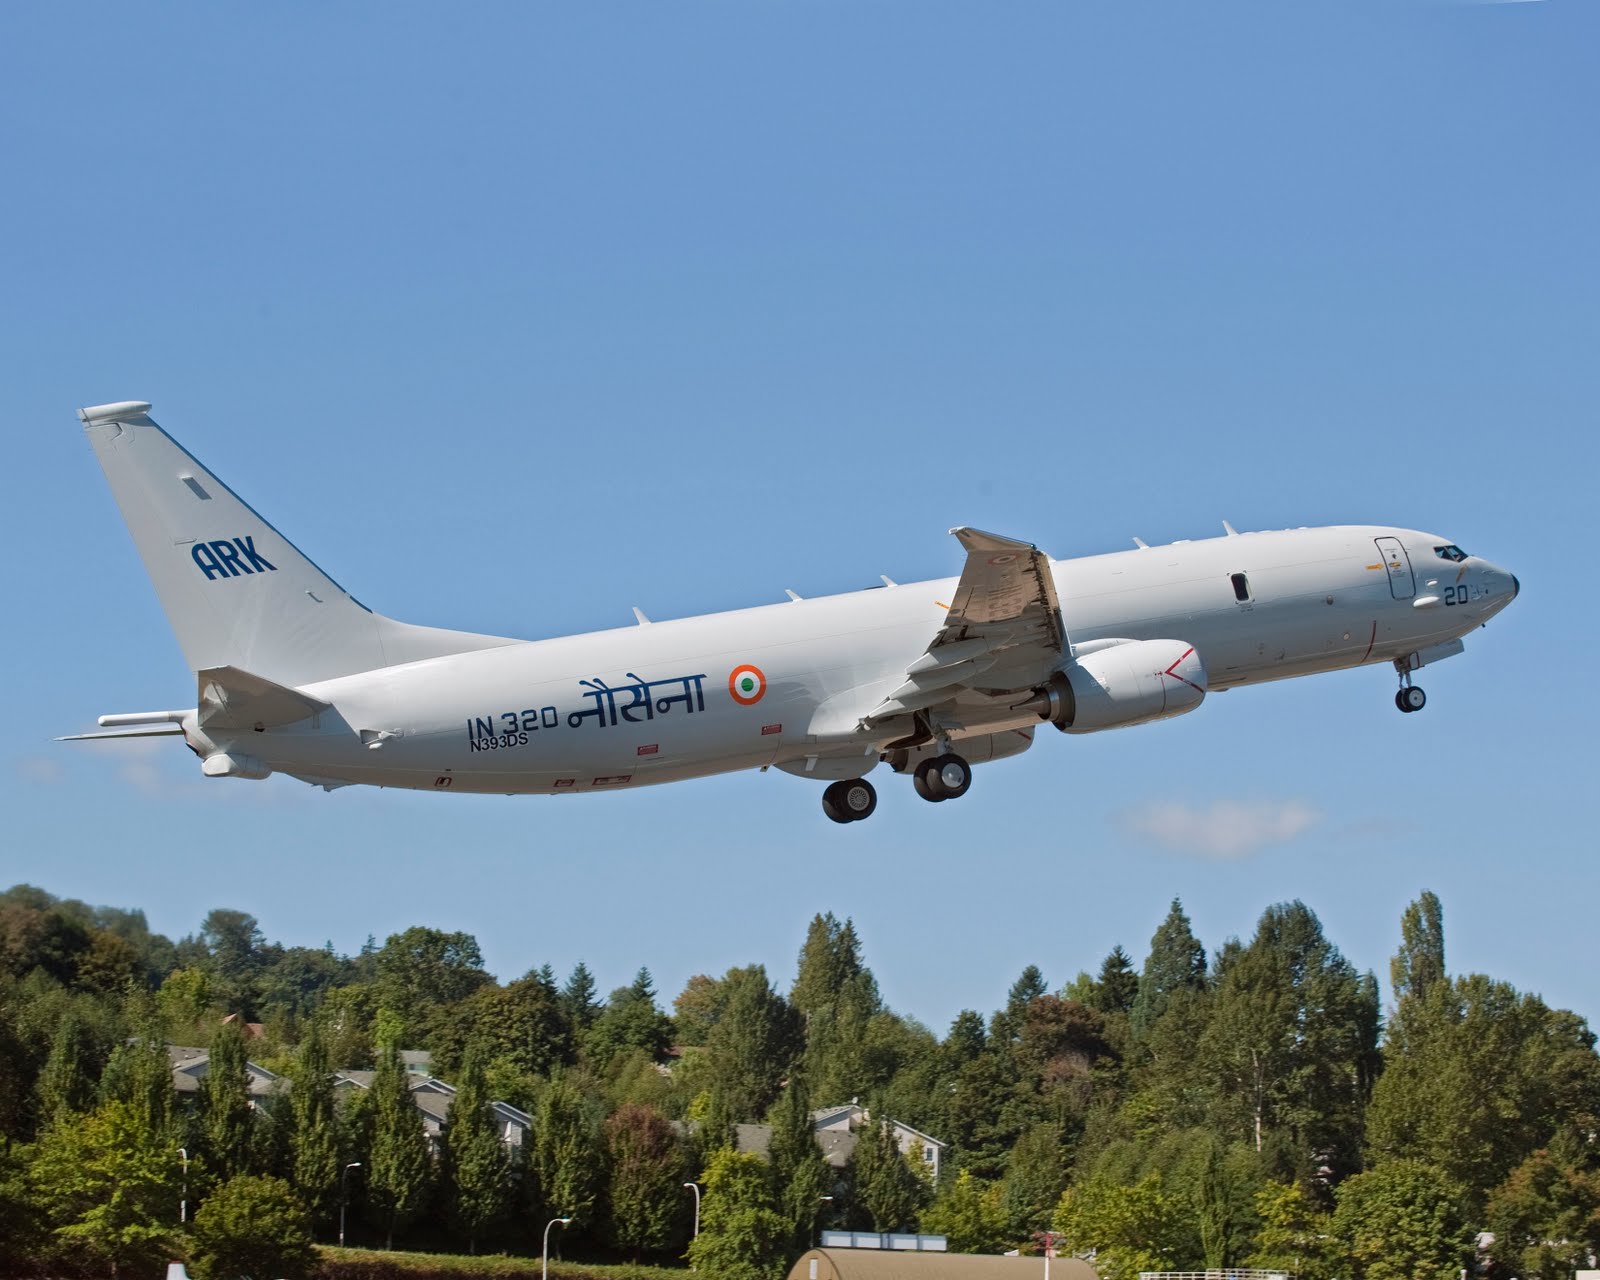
<point x="945" y="777"/>
<point x="1410" y="698"/>
<point x="850" y="800"/>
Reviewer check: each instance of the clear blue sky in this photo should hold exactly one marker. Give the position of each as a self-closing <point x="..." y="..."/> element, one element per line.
<point x="515" y="316"/>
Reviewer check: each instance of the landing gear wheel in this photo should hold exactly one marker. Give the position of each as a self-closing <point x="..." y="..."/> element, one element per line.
<point x="955" y="776"/>
<point x="850" y="801"/>
<point x="927" y="783"/>
<point x="1411" y="699"/>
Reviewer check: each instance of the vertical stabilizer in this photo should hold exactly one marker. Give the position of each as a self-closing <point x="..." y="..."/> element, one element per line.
<point x="237" y="592"/>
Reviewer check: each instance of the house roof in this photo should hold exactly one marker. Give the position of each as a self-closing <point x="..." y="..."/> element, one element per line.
<point x="432" y="1096"/>
<point x="190" y="1065"/>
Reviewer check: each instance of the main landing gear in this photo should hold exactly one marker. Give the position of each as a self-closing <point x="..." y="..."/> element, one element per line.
<point x="850" y="800"/>
<point x="945" y="777"/>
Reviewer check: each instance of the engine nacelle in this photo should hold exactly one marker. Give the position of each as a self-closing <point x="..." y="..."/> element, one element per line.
<point x="1123" y="685"/>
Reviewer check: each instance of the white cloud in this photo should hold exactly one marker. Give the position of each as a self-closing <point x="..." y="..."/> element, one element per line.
<point x="40" y="770"/>
<point x="1226" y="831"/>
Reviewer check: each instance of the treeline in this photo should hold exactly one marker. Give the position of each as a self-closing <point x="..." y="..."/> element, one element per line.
<point x="1250" y="1106"/>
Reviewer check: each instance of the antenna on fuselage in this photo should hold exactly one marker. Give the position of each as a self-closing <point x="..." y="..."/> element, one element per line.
<point x="1232" y="532"/>
<point x="1141" y="544"/>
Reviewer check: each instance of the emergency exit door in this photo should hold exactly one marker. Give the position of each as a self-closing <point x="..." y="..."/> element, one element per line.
<point x="1402" y="585"/>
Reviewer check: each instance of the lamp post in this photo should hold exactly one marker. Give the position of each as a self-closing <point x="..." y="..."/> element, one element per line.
<point x="544" y="1257"/>
<point x="183" y="1204"/>
<point x="344" y="1196"/>
<point x="695" y="1187"/>
<point x="822" y="1200"/>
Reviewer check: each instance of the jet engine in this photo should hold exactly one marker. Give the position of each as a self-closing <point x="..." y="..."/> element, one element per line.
<point x="1124" y="684"/>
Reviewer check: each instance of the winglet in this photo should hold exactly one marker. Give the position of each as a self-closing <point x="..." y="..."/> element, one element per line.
<point x="119" y="412"/>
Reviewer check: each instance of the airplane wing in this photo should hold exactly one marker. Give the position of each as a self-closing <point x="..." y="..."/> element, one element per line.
<point x="1004" y="625"/>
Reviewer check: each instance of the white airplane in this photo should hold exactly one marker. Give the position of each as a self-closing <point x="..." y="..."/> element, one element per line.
<point x="295" y="676"/>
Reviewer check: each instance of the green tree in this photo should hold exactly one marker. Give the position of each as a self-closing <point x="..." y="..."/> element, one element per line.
<point x="225" y="1113"/>
<point x="481" y="1186"/>
<point x="566" y="1151"/>
<point x="800" y="1174"/>
<point x="1420" y="961"/>
<point x="1036" y="1176"/>
<point x="742" y="1234"/>
<point x="252" y="1226"/>
<point x="67" y="1084"/>
<point x="1293" y="1236"/>
<point x="644" y="1161"/>
<point x="1401" y="1221"/>
<point x="1117" y="987"/>
<point x="753" y="1043"/>
<point x="423" y="971"/>
<point x="1478" y="1078"/>
<point x="1545" y="1218"/>
<point x="968" y="1213"/>
<point x="107" y="1185"/>
<point x="631" y="1020"/>
<point x="578" y="999"/>
<point x="886" y="1193"/>
<point x="1177" y="962"/>
<point x="1131" y="1229"/>
<point x="399" y="1172"/>
<point x="314" y="1141"/>
<point x="697" y="1009"/>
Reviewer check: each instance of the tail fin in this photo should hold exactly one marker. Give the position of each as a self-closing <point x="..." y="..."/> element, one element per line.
<point x="237" y="592"/>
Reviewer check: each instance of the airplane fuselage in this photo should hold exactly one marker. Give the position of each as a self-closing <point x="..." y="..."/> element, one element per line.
<point x="786" y="685"/>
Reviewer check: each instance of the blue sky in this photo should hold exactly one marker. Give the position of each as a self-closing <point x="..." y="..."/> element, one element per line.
<point x="515" y="316"/>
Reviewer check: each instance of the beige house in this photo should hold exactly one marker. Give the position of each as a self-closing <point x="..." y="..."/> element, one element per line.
<point x="838" y="1129"/>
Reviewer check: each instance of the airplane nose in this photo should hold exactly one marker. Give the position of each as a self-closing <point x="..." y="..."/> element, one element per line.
<point x="1516" y="587"/>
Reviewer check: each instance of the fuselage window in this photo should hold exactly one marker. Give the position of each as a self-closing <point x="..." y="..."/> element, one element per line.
<point x="1241" y="588"/>
<point x="1451" y="552"/>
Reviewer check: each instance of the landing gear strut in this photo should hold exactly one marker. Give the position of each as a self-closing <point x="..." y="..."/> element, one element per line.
<point x="850" y="800"/>
<point x="945" y="777"/>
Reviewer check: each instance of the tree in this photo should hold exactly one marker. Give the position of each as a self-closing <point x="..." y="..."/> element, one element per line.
<point x="1479" y="1077"/>
<point x="1545" y="1219"/>
<point x="968" y="1213"/>
<point x="1420" y="961"/>
<point x="1117" y="987"/>
<point x="800" y="1175"/>
<point x="578" y="999"/>
<point x="645" y="1164"/>
<point x="1131" y="1229"/>
<point x="697" y="1009"/>
<point x="476" y="1160"/>
<point x="1177" y="962"/>
<point x="1401" y="1221"/>
<point x="631" y="1020"/>
<point x="566" y="1151"/>
<point x="1293" y="1236"/>
<point x="742" y="1234"/>
<point x="225" y="1113"/>
<point x="252" y="1226"/>
<point x="67" y="1084"/>
<point x="523" y="1026"/>
<point x="830" y="962"/>
<point x="314" y="1140"/>
<point x="399" y="1173"/>
<point x="421" y="971"/>
<point x="885" y="1191"/>
<point x="1035" y="1178"/>
<point x="108" y="1187"/>
<point x="752" y="1044"/>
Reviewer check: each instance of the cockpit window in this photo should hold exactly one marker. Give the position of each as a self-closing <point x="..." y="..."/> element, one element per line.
<point x="1451" y="552"/>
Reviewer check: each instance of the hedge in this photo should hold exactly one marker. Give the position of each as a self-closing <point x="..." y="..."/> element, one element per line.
<point x="375" y="1264"/>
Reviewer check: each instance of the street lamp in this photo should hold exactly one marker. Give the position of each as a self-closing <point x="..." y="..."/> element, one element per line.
<point x="183" y="1204"/>
<point x="344" y="1197"/>
<point x="822" y="1200"/>
<point x="544" y="1258"/>
<point x="695" y="1187"/>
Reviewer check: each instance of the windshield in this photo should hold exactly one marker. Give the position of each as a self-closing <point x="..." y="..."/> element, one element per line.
<point x="1450" y="552"/>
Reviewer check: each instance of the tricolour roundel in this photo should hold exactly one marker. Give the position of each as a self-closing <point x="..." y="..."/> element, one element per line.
<point x="747" y="685"/>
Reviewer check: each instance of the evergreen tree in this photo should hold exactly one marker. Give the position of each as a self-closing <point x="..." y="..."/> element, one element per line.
<point x="476" y="1160"/>
<point x="566" y="1152"/>
<point x="1420" y="961"/>
<point x="885" y="1193"/>
<point x="830" y="962"/>
<point x="800" y="1174"/>
<point x="399" y="1171"/>
<point x="1035" y="1178"/>
<point x="140" y="1074"/>
<point x="578" y="999"/>
<point x="314" y="1139"/>
<point x="753" y="1043"/>
<point x="631" y="1020"/>
<point x="645" y="1166"/>
<point x="67" y="1084"/>
<point x="225" y="1112"/>
<point x="1117" y="987"/>
<point x="252" y="1226"/>
<point x="1177" y="962"/>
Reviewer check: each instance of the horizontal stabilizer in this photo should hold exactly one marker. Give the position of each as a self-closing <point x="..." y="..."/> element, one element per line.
<point x="124" y="731"/>
<point x="235" y="699"/>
